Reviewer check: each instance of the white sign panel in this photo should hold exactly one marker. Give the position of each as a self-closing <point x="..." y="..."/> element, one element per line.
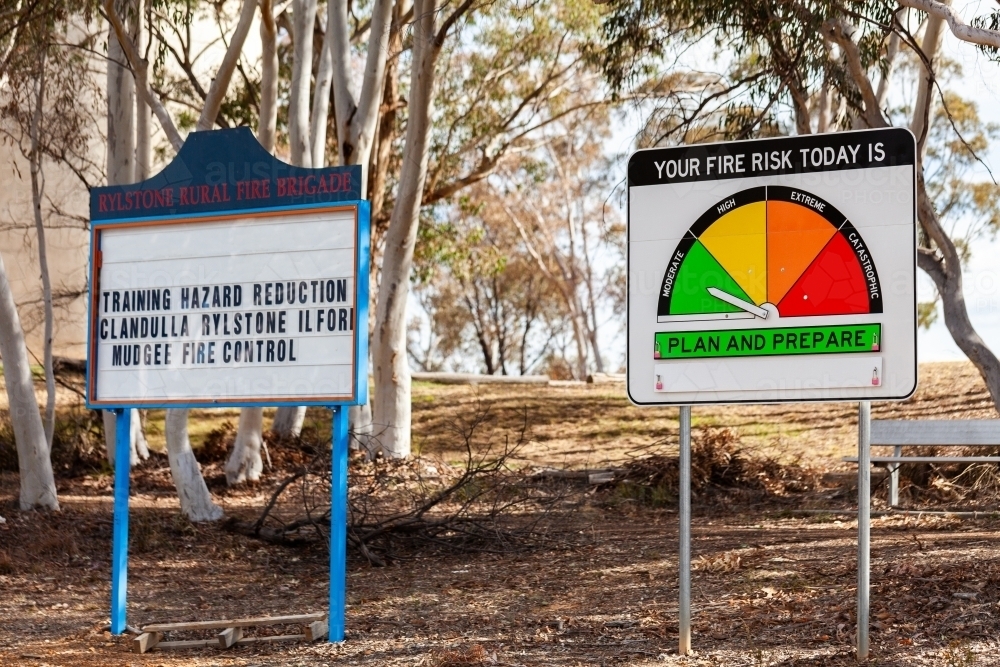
<point x="239" y="309"/>
<point x="773" y="270"/>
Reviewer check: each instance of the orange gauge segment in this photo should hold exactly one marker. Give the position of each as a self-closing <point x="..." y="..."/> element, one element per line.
<point x="795" y="235"/>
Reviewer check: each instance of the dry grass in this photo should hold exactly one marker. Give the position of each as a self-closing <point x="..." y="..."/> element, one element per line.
<point x="770" y="588"/>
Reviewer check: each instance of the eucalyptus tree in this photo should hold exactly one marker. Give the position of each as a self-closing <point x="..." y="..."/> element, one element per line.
<point x="356" y="108"/>
<point x="29" y="32"/>
<point x="129" y="72"/>
<point x="499" y="63"/>
<point x="490" y="77"/>
<point x="43" y="117"/>
<point x="787" y="51"/>
<point x="519" y="262"/>
<point x="38" y="487"/>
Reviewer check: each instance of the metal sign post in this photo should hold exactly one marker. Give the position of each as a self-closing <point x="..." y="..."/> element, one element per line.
<point x="684" y="516"/>
<point x="119" y="549"/>
<point x="229" y="279"/>
<point x="864" y="523"/>
<point x="338" y="524"/>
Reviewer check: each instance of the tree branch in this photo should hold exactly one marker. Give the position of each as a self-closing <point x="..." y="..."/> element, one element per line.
<point x="268" y="122"/>
<point x="959" y="28"/>
<point x="945" y="269"/>
<point x="140" y="70"/>
<point x="453" y="18"/>
<point x="366" y="115"/>
<point x="220" y="84"/>
<point x="843" y="34"/>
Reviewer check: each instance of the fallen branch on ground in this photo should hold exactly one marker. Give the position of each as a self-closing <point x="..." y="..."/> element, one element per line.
<point x="484" y="504"/>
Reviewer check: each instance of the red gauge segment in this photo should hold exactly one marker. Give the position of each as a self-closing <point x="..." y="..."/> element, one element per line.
<point x="832" y="285"/>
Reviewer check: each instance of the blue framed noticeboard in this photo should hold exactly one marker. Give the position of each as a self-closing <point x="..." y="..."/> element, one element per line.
<point x="229" y="279"/>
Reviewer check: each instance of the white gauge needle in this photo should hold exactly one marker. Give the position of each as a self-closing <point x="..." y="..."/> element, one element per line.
<point x="739" y="303"/>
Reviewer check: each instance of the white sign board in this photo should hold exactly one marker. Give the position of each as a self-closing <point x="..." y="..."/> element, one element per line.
<point x="773" y="270"/>
<point x="233" y="309"/>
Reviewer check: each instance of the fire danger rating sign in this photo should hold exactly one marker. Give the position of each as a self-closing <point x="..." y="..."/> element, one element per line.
<point x="773" y="270"/>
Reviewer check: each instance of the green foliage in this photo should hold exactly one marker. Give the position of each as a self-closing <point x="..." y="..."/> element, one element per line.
<point x="991" y="22"/>
<point x="512" y="85"/>
<point x="511" y="69"/>
<point x="178" y="70"/>
<point x="927" y="313"/>
<point x="776" y="49"/>
<point x="957" y="138"/>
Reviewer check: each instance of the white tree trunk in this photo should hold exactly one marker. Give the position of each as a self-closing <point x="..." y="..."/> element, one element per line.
<point x="288" y="422"/>
<point x="357" y="116"/>
<point x="359" y="417"/>
<point x="303" y="20"/>
<point x="891" y="51"/>
<point x="38" y="487"/>
<point x="196" y="501"/>
<point x="267" y="127"/>
<point x="121" y="115"/>
<point x="138" y="447"/>
<point x="220" y="82"/>
<point x="924" y="104"/>
<point x="121" y="170"/>
<point x="321" y="97"/>
<point x="143" y="114"/>
<point x="391" y="411"/>
<point x="37" y="191"/>
<point x="244" y="463"/>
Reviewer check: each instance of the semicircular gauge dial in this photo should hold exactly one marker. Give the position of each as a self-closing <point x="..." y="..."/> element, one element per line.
<point x="769" y="245"/>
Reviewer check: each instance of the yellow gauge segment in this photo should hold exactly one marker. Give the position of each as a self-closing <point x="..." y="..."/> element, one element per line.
<point x="738" y="241"/>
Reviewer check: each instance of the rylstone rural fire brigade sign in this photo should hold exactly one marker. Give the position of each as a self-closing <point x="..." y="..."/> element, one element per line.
<point x="773" y="270"/>
<point x="230" y="278"/>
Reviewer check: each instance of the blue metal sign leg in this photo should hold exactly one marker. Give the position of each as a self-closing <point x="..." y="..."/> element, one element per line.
<point x="338" y="525"/>
<point x="119" y="551"/>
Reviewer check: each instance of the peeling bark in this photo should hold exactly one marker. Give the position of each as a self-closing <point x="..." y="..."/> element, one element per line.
<point x="303" y="19"/>
<point x="392" y="410"/>
<point x="38" y="486"/>
<point x="196" y="502"/>
<point x="268" y="122"/>
<point x="288" y="421"/>
<point x="244" y="463"/>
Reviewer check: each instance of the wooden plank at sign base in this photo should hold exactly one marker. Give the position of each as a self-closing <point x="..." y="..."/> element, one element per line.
<point x="188" y="643"/>
<point x="146" y="641"/>
<point x="238" y="623"/>
<point x="229" y="636"/>
<point x="218" y="641"/>
<point x="273" y="638"/>
<point x="316" y="630"/>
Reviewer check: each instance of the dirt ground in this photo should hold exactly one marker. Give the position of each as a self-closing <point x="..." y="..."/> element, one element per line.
<point x="770" y="587"/>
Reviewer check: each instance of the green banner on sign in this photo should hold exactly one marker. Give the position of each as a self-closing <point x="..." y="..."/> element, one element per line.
<point x="837" y="339"/>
